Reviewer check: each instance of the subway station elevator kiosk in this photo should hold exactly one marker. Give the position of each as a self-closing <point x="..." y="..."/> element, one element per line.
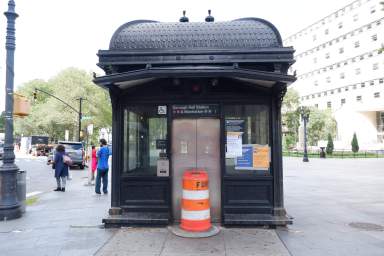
<point x="203" y="95"/>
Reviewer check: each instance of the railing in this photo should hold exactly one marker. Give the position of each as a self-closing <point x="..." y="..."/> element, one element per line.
<point x="337" y="154"/>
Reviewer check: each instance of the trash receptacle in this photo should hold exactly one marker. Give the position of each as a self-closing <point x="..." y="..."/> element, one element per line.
<point x="22" y="188"/>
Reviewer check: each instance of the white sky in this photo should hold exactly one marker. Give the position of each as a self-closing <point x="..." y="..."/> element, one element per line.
<point x="52" y="35"/>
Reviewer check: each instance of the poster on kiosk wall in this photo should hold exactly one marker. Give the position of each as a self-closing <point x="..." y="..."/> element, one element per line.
<point x="254" y="157"/>
<point x="234" y="128"/>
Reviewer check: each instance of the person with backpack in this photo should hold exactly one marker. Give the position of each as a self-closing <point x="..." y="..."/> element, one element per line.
<point x="61" y="163"/>
<point x="102" y="167"/>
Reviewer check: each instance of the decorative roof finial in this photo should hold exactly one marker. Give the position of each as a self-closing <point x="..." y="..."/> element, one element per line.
<point x="184" y="19"/>
<point x="209" y="18"/>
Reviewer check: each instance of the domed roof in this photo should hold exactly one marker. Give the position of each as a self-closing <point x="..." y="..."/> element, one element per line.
<point x="244" y="33"/>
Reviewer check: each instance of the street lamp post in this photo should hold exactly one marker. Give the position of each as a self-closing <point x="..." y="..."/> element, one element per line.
<point x="305" y="116"/>
<point x="10" y="207"/>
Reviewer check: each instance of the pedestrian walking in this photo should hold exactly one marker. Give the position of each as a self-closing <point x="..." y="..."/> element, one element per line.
<point x="61" y="167"/>
<point x="93" y="162"/>
<point x="102" y="167"/>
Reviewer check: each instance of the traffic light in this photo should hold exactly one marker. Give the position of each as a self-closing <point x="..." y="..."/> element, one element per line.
<point x="34" y="95"/>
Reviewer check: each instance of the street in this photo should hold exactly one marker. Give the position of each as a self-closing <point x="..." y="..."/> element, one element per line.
<point x="40" y="176"/>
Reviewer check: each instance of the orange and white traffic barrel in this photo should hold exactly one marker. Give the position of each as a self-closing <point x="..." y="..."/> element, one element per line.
<point x="195" y="206"/>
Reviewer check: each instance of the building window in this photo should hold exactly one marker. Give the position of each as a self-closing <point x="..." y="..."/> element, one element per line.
<point x="329" y="104"/>
<point x="341" y="50"/>
<point x="358" y="71"/>
<point x="313" y="96"/>
<point x="362" y="85"/>
<point x="358" y="98"/>
<point x="142" y="127"/>
<point x="340" y="25"/>
<point x="381" y="80"/>
<point x="255" y="120"/>
<point x="357" y="44"/>
<point x="375" y="66"/>
<point x="342" y="75"/>
<point x="376" y="95"/>
<point x="342" y="102"/>
<point x="372" y="82"/>
<point x="328" y="79"/>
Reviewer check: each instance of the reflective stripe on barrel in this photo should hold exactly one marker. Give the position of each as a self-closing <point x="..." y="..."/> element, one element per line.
<point x="195" y="206"/>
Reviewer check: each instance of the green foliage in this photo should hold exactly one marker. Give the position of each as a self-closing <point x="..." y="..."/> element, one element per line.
<point x="51" y="117"/>
<point x="355" y="144"/>
<point x="321" y="123"/>
<point x="2" y="121"/>
<point x="291" y="118"/>
<point x="330" y="146"/>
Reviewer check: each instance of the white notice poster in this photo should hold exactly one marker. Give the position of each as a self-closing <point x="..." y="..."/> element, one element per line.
<point x="234" y="145"/>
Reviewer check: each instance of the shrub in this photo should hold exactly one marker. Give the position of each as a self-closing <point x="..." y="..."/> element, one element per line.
<point x="330" y="146"/>
<point x="355" y="144"/>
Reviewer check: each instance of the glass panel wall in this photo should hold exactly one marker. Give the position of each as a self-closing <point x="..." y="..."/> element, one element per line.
<point x="247" y="139"/>
<point x="142" y="128"/>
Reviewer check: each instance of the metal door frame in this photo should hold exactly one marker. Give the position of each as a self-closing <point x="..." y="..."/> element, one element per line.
<point x="220" y="160"/>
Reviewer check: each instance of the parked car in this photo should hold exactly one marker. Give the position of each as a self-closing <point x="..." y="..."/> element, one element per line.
<point x="1" y="150"/>
<point x="75" y="151"/>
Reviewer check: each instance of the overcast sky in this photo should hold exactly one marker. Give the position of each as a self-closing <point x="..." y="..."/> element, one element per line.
<point x="52" y="35"/>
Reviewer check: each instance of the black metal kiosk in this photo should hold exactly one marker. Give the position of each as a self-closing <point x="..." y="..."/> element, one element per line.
<point x="201" y="95"/>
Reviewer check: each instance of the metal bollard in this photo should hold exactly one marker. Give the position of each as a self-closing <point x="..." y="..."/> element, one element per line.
<point x="21" y="178"/>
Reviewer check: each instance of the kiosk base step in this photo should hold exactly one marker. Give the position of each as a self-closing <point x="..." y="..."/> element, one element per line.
<point x="137" y="219"/>
<point x="256" y="220"/>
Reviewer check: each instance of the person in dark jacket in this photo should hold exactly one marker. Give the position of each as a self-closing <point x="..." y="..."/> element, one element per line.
<point x="61" y="168"/>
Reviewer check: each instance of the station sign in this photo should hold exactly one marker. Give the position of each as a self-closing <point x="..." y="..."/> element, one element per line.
<point x="195" y="110"/>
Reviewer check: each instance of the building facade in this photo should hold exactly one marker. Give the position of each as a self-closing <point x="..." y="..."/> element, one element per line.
<point x="196" y="96"/>
<point x="340" y="66"/>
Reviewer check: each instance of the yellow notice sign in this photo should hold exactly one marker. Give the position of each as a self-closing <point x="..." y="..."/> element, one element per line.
<point x="261" y="157"/>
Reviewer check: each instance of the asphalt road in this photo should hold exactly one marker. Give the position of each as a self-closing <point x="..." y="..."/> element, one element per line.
<point x="40" y="176"/>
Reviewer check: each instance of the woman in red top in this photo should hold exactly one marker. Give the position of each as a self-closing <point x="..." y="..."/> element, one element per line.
<point x="94" y="162"/>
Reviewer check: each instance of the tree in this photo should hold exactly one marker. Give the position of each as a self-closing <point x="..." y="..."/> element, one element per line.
<point x="291" y="117"/>
<point x="355" y="144"/>
<point x="51" y="117"/>
<point x="320" y="124"/>
<point x="330" y="146"/>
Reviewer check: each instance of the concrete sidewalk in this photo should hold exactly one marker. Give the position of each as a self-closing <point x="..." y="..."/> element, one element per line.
<point x="69" y="223"/>
<point x="59" y="223"/>
<point x="338" y="208"/>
